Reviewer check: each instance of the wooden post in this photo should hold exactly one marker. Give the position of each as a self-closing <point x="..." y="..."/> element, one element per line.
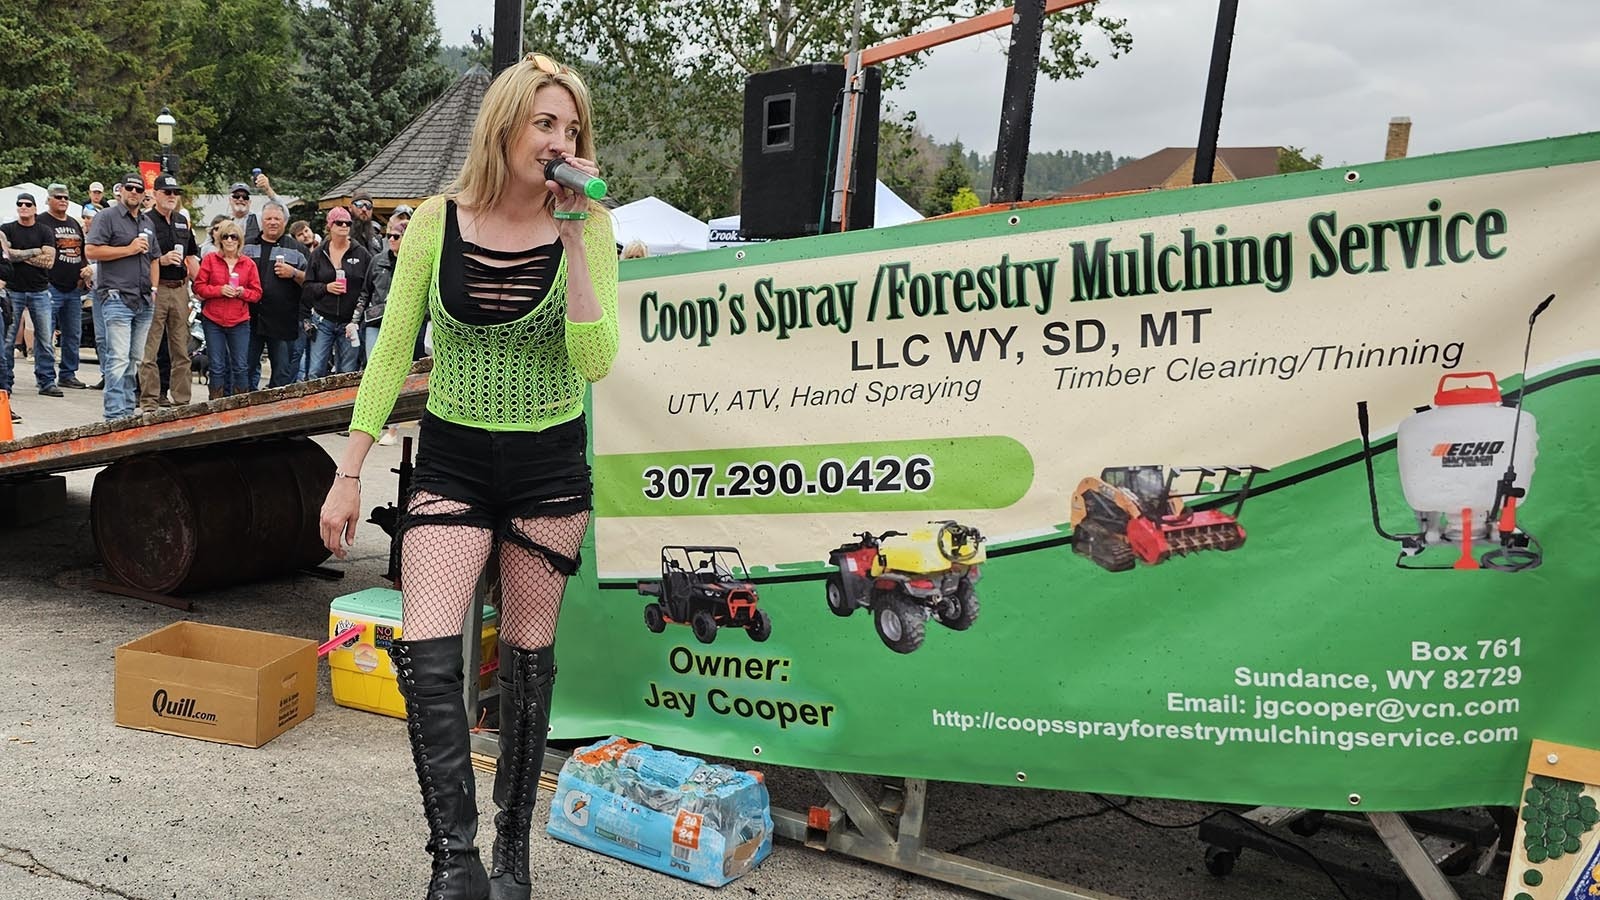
<point x="1205" y="155"/>
<point x="507" y="34"/>
<point x="1016" y="110"/>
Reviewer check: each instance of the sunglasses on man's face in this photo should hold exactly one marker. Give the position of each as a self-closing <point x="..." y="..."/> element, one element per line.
<point x="24" y="204"/>
<point x="393" y="237"/>
<point x="361" y="204"/>
<point x="167" y="193"/>
<point x="131" y="189"/>
<point x="241" y="196"/>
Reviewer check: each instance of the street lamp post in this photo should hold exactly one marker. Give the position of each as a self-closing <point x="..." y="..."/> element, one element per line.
<point x="165" y="124"/>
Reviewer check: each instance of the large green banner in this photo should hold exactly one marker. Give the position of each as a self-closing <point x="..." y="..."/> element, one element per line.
<point x="1076" y="496"/>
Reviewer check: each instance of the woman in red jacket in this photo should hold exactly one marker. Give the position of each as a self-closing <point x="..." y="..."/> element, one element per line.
<point x="227" y="285"/>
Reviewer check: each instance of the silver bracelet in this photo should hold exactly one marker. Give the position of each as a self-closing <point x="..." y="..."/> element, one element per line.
<point x="339" y="474"/>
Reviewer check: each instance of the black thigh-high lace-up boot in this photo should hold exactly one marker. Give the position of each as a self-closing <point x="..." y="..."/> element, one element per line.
<point x="430" y="680"/>
<point x="526" y="679"/>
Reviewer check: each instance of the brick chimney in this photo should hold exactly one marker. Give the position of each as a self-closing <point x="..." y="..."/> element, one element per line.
<point x="1399" y="138"/>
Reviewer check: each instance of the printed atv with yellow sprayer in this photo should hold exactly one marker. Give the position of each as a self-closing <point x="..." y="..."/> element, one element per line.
<point x="930" y="574"/>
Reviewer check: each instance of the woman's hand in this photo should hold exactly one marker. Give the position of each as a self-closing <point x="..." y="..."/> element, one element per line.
<point x="571" y="230"/>
<point x="340" y="512"/>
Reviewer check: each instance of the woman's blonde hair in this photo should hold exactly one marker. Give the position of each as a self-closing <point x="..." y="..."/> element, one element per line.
<point x="508" y="106"/>
<point x="225" y="228"/>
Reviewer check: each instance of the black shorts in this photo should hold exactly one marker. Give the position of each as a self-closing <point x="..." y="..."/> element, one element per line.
<point x="501" y="476"/>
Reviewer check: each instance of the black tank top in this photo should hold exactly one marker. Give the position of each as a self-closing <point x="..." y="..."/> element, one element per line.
<point x="480" y="286"/>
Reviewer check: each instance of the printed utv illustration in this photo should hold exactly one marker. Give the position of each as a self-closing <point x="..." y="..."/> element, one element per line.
<point x="1465" y="463"/>
<point x="906" y="579"/>
<point x="1133" y="513"/>
<point x="706" y="589"/>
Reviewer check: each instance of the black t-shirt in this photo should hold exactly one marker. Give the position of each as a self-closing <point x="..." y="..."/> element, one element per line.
<point x="25" y="276"/>
<point x="69" y="252"/>
<point x="169" y="236"/>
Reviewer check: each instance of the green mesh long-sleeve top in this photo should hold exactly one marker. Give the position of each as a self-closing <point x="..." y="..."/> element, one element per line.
<point x="524" y="375"/>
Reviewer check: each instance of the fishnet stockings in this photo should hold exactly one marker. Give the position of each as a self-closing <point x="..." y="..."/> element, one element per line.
<point x="444" y="552"/>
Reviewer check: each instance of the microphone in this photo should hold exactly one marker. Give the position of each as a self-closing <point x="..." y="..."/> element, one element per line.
<point x="575" y="179"/>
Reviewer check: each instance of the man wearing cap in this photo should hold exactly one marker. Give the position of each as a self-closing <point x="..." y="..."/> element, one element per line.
<point x="96" y="201"/>
<point x="239" y="211"/>
<point x="362" y="230"/>
<point x="33" y="243"/>
<point x="68" y="279"/>
<point x="178" y="263"/>
<point x="122" y="243"/>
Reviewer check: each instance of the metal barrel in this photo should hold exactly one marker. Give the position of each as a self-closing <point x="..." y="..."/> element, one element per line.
<point x="189" y="520"/>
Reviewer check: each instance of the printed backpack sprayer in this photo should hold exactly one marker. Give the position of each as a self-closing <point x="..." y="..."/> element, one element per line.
<point x="1465" y="463"/>
<point x="1133" y="513"/>
<point x="929" y="574"/>
<point x="705" y="588"/>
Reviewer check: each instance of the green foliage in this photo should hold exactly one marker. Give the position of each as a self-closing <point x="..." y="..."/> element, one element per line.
<point x="41" y="118"/>
<point x="667" y="76"/>
<point x="458" y="58"/>
<point x="1294" y="159"/>
<point x="964" y="199"/>
<point x="952" y="178"/>
<point x="1049" y="173"/>
<point x="235" y="89"/>
<point x="367" y="68"/>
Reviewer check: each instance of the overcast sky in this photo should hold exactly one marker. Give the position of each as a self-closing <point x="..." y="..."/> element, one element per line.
<point x="1327" y="77"/>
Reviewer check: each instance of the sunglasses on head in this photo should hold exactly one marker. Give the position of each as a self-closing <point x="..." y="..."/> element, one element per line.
<point x="549" y="66"/>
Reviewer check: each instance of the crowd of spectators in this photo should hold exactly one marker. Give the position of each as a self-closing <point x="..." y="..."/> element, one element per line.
<point x="170" y="306"/>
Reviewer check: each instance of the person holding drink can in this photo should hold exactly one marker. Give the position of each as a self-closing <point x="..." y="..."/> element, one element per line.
<point x="337" y="264"/>
<point x="228" y="287"/>
<point x="122" y="295"/>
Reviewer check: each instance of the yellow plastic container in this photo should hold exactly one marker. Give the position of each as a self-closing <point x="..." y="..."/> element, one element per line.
<point x="919" y="552"/>
<point x="362" y="675"/>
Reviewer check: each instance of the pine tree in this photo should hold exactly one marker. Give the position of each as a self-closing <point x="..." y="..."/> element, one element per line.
<point x="367" y="68"/>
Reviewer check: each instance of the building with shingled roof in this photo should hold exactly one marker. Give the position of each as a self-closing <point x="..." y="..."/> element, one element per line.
<point x="427" y="154"/>
<point x="1174" y="167"/>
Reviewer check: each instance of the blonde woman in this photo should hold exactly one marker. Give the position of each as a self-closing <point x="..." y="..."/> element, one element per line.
<point x="519" y="277"/>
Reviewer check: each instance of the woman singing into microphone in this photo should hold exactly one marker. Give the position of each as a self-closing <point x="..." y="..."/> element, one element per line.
<point x="519" y="276"/>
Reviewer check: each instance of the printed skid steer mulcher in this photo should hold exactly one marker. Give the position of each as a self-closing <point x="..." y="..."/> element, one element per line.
<point x="929" y="574"/>
<point x="1133" y="513"/>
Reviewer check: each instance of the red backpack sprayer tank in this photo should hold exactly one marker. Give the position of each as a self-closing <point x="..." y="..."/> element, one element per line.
<point x="1465" y="463"/>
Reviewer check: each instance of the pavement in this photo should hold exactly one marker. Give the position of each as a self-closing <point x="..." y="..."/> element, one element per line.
<point x="330" y="809"/>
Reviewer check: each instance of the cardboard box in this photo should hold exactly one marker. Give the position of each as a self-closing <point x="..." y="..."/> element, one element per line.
<point x="218" y="684"/>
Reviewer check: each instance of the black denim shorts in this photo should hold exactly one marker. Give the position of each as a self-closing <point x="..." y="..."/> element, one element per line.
<point x="501" y="476"/>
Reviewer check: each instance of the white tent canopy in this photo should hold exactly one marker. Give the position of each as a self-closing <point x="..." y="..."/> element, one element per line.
<point x="8" y="201"/>
<point x="888" y="209"/>
<point x="662" y="227"/>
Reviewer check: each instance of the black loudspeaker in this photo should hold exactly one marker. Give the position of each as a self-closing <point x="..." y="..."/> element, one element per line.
<point x="791" y="122"/>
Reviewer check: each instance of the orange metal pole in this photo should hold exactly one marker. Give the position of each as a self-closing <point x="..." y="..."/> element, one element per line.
<point x="916" y="43"/>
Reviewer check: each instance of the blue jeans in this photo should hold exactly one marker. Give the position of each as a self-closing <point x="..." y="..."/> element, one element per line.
<point x="300" y="353"/>
<point x="280" y="355"/>
<point x="369" y="342"/>
<point x="37" y="303"/>
<point x="69" y="321"/>
<point x="331" y="351"/>
<point x="229" y="349"/>
<point x="125" y="331"/>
